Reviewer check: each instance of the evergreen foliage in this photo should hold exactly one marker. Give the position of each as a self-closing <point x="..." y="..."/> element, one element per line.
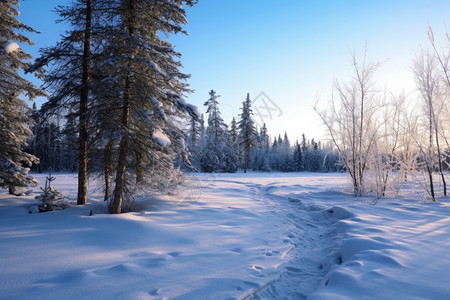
<point x="217" y="152"/>
<point x="247" y="137"/>
<point x="51" y="198"/>
<point x="14" y="119"/>
<point x="116" y="73"/>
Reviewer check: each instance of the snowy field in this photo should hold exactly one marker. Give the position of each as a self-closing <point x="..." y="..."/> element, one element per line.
<point x="229" y="236"/>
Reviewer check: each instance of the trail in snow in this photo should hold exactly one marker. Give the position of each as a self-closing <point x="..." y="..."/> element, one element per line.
<point x="306" y="228"/>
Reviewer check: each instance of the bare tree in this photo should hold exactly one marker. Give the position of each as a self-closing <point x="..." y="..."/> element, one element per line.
<point x="352" y="120"/>
<point x="441" y="110"/>
<point x="427" y="82"/>
<point x="387" y="155"/>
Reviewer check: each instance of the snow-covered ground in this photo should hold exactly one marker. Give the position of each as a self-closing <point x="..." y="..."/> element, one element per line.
<point x="229" y="236"/>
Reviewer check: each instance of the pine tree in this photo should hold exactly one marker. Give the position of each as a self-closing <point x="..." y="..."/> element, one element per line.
<point x="135" y="89"/>
<point x="315" y="158"/>
<point x="247" y="132"/>
<point x="217" y="153"/>
<point x="147" y="73"/>
<point x="51" y="198"/>
<point x="260" y="159"/>
<point x="69" y="77"/>
<point x="216" y="125"/>
<point x="234" y="136"/>
<point x="285" y="153"/>
<point x="305" y="154"/>
<point x="194" y="140"/>
<point x="264" y="137"/>
<point x="265" y="148"/>
<point x="298" y="157"/>
<point x="14" y="116"/>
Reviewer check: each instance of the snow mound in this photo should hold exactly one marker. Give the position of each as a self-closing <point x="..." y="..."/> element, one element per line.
<point x="11" y="47"/>
<point x="394" y="250"/>
<point x="195" y="110"/>
<point x="336" y="213"/>
<point x="161" y="138"/>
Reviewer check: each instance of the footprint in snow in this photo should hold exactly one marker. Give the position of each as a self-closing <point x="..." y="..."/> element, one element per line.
<point x="292" y="269"/>
<point x="154" y="292"/>
<point x="256" y="271"/>
<point x="174" y="254"/>
<point x="237" y="250"/>
<point x="271" y="253"/>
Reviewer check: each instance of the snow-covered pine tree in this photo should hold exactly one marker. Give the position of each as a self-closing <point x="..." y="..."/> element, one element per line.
<point x="211" y="158"/>
<point x="231" y="157"/>
<point x="305" y="153"/>
<point x="259" y="157"/>
<point x="51" y="198"/>
<point x="264" y="137"/>
<point x="265" y="149"/>
<point x="194" y="134"/>
<point x="14" y="117"/>
<point x="217" y="152"/>
<point x="247" y="132"/>
<point x="234" y="135"/>
<point x="69" y="76"/>
<point x="194" y="140"/>
<point x="315" y="157"/>
<point x="276" y="154"/>
<point x="298" y="157"/>
<point x="151" y="86"/>
<point x="286" y="155"/>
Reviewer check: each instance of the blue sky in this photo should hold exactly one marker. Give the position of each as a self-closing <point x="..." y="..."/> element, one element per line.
<point x="290" y="50"/>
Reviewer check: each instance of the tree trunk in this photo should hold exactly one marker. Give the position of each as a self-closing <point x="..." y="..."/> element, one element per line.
<point x="107" y="167"/>
<point x="438" y="147"/>
<point x="11" y="189"/>
<point x="430" y="176"/>
<point x="430" y="150"/>
<point x="83" y="134"/>
<point x="139" y="169"/>
<point x="116" y="207"/>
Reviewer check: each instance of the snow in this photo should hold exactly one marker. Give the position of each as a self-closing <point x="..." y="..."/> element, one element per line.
<point x="195" y="110"/>
<point x="228" y="236"/>
<point x="160" y="137"/>
<point x="11" y="47"/>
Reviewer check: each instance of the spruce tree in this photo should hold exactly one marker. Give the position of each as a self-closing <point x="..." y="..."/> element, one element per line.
<point x="264" y="147"/>
<point x="194" y="141"/>
<point x="247" y="132"/>
<point x="14" y="112"/>
<point x="69" y="75"/>
<point x="151" y="86"/>
<point x="234" y="136"/>
<point x="298" y="157"/>
<point x="217" y="153"/>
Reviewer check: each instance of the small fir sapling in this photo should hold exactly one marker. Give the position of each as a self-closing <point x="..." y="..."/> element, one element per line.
<point x="51" y="198"/>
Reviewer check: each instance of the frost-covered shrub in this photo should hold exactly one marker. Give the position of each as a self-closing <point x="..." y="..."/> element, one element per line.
<point x="51" y="198"/>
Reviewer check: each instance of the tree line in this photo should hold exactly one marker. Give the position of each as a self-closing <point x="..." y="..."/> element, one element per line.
<point x="219" y="147"/>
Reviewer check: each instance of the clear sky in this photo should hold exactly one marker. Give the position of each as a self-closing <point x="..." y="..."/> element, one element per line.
<point x="289" y="50"/>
